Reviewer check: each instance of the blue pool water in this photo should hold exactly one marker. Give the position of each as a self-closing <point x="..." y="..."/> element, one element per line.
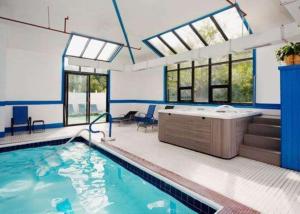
<point x="72" y="178"/>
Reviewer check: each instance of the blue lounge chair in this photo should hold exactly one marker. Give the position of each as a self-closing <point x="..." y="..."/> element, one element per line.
<point x="71" y="111"/>
<point x="20" y="117"/>
<point x="82" y="109"/>
<point x="94" y="109"/>
<point x="145" y="120"/>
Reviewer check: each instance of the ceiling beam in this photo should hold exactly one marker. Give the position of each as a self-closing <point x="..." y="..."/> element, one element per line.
<point x="123" y="29"/>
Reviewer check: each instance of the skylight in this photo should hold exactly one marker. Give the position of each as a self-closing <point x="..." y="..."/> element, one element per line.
<point x="174" y="42"/>
<point x="108" y="51"/>
<point x="77" y="45"/>
<point x="92" y="48"/>
<point x="213" y="29"/>
<point x="160" y="46"/>
<point x="231" y="23"/>
<point x="189" y="37"/>
<point x="209" y="32"/>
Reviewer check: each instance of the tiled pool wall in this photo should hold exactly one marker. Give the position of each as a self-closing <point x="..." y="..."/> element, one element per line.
<point x="184" y="198"/>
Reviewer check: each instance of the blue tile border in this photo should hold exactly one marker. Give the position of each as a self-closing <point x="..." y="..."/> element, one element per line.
<point x="34" y="145"/>
<point x="184" y="198"/>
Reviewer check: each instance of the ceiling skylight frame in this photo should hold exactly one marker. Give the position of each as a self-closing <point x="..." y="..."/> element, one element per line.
<point x="84" y="47"/>
<point x="220" y="35"/>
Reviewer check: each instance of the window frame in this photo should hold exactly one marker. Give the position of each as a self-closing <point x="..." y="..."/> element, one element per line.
<point x="112" y="56"/>
<point x="220" y="32"/>
<point x="211" y="87"/>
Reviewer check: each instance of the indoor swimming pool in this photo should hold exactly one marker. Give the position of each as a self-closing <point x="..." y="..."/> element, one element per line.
<point x="73" y="178"/>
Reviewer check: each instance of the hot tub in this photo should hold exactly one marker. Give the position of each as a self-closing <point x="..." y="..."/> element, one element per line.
<point x="216" y="131"/>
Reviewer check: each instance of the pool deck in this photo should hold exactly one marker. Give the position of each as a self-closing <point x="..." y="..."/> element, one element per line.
<point x="238" y="184"/>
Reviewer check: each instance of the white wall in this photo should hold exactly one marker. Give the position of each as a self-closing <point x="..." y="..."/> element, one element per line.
<point x="2" y="75"/>
<point x="33" y="75"/>
<point x="33" y="59"/>
<point x="267" y="76"/>
<point x="141" y="85"/>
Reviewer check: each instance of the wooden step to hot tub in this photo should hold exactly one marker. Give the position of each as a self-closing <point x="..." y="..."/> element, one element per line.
<point x="269" y="130"/>
<point x="272" y="120"/>
<point x="264" y="142"/>
<point x="259" y="154"/>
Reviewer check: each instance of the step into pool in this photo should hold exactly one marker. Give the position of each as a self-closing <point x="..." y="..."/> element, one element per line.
<point x="73" y="178"/>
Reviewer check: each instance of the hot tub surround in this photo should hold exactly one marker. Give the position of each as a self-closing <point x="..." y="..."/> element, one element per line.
<point x="218" y="132"/>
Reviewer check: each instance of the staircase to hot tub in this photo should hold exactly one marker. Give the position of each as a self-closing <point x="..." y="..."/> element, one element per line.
<point x="262" y="140"/>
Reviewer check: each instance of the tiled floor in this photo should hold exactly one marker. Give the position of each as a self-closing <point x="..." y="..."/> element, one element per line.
<point x="263" y="187"/>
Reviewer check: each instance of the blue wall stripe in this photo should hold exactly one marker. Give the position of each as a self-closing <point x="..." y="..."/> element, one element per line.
<point x="24" y="128"/>
<point x="2" y="134"/>
<point x="33" y="102"/>
<point x="123" y="29"/>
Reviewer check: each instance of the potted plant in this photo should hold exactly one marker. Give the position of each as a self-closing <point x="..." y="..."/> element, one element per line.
<point x="286" y="54"/>
<point x="297" y="53"/>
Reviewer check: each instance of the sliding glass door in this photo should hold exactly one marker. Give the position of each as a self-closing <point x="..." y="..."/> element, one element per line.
<point x="85" y="97"/>
<point x="98" y="96"/>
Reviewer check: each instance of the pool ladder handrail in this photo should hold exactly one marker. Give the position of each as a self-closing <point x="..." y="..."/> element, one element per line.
<point x="90" y="130"/>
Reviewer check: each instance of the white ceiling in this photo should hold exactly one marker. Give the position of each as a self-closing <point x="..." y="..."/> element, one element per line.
<point x="142" y="18"/>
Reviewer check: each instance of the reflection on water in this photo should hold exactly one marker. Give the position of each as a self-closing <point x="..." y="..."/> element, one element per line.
<point x="72" y="178"/>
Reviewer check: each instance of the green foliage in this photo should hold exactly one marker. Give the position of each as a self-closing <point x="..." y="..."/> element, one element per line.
<point x="288" y="50"/>
<point x="297" y="48"/>
<point x="242" y="82"/>
<point x="98" y="84"/>
<point x="78" y="83"/>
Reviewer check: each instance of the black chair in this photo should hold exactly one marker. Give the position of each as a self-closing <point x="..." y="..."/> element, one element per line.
<point x="129" y="117"/>
<point x="169" y="107"/>
<point x="20" y="117"/>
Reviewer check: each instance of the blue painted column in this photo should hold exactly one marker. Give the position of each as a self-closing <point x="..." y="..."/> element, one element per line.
<point x="290" y="116"/>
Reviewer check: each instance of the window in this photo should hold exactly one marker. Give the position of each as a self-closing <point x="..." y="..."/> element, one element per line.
<point x="76" y="45"/>
<point x="231" y="23"/>
<point x="107" y="52"/>
<point x="209" y="32"/>
<point x="227" y="79"/>
<point x="160" y="46"/>
<point x="93" y="49"/>
<point x="90" y="48"/>
<point x="189" y="37"/>
<point x="172" y="86"/>
<point x="213" y="29"/>
<point x="201" y="84"/>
